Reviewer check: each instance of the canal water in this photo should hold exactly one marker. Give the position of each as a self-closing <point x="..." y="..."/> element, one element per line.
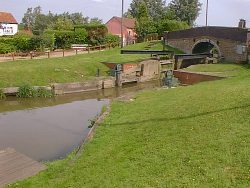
<point x="49" y="129"/>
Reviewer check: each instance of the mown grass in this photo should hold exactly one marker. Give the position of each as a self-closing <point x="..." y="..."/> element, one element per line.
<point x="195" y="136"/>
<point x="62" y="70"/>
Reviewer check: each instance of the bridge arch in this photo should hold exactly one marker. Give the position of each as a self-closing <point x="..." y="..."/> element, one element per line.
<point x="205" y="46"/>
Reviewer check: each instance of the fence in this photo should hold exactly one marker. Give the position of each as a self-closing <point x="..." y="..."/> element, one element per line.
<point x="58" y="53"/>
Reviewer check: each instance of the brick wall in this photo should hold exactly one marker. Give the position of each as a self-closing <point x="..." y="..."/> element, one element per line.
<point x="227" y="47"/>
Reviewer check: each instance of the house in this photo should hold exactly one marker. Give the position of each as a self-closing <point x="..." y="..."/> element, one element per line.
<point x="8" y="24"/>
<point x="129" y="34"/>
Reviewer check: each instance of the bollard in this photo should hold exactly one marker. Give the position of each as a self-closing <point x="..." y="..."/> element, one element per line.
<point x="98" y="73"/>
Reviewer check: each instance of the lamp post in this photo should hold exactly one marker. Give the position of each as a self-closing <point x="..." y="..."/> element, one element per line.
<point x="207" y="14"/>
<point x="122" y="45"/>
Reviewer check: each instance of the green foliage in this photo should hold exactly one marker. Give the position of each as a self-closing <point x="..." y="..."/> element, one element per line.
<point x="186" y="11"/>
<point x="109" y="38"/>
<point x="170" y="25"/>
<point x="64" y="39"/>
<point x="156" y="9"/>
<point x="62" y="24"/>
<point x="144" y="25"/>
<point x="44" y="93"/>
<point x="2" y="95"/>
<point x="6" y="47"/>
<point x="96" y="33"/>
<point x="26" y="91"/>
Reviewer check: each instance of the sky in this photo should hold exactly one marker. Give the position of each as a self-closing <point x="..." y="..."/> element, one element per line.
<point x="221" y="12"/>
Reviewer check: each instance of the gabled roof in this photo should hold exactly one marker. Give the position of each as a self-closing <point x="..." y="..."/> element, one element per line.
<point x="127" y="22"/>
<point x="6" y="17"/>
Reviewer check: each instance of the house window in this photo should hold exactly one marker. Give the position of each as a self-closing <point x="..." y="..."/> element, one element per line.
<point x="129" y="33"/>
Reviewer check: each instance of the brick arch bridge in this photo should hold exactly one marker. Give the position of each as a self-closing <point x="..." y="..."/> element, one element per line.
<point x="231" y="43"/>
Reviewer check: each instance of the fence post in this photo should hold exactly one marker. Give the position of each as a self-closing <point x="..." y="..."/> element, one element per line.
<point x="100" y="47"/>
<point x="13" y="57"/>
<point x="63" y="52"/>
<point x="76" y="51"/>
<point x="48" y="54"/>
<point x="31" y="55"/>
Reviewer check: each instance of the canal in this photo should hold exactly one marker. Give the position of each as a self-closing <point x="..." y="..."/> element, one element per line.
<point x="49" y="129"/>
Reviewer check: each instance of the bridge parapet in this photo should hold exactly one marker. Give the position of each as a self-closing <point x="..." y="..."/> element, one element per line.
<point x="230" y="43"/>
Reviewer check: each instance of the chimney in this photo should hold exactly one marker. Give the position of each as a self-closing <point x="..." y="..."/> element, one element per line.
<point x="242" y="23"/>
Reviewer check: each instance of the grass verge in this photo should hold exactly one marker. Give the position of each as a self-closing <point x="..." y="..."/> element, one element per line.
<point x="195" y="136"/>
<point x="62" y="70"/>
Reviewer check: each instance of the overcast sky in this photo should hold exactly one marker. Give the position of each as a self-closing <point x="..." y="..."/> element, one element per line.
<point x="221" y="12"/>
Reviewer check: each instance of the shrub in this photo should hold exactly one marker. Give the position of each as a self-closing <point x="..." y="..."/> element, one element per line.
<point x="6" y="48"/>
<point x="23" y="43"/>
<point x="2" y="95"/>
<point x="26" y="91"/>
<point x="109" y="38"/>
<point x="44" y="93"/>
<point x="96" y="33"/>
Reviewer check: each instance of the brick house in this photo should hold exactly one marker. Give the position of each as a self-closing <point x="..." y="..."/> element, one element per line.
<point x="8" y="24"/>
<point x="129" y="34"/>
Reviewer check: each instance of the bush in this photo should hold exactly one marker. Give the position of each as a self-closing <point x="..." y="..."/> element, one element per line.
<point x="44" y="93"/>
<point x="6" y="48"/>
<point x="96" y="33"/>
<point x="26" y="91"/>
<point x="111" y="39"/>
<point x="64" y="39"/>
<point x="23" y="43"/>
<point x="2" y="95"/>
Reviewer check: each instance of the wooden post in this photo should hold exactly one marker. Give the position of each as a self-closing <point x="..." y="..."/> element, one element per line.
<point x="88" y="49"/>
<point x="63" y="52"/>
<point x="31" y="55"/>
<point x="13" y="56"/>
<point x="100" y="47"/>
<point x="76" y="51"/>
<point x="48" y="54"/>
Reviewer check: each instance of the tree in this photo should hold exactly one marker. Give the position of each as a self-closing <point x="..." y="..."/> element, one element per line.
<point x="95" y="21"/>
<point x="185" y="10"/>
<point x="144" y="24"/>
<point x="30" y="16"/>
<point x="155" y="8"/>
<point x="62" y="23"/>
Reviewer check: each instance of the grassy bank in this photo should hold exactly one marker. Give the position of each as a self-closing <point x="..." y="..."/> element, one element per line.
<point x="195" y="136"/>
<point x="62" y="70"/>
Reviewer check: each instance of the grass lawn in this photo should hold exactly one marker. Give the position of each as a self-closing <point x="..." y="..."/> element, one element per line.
<point x="62" y="70"/>
<point x="195" y="136"/>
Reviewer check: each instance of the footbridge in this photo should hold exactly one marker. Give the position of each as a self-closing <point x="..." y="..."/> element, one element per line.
<point x="229" y="43"/>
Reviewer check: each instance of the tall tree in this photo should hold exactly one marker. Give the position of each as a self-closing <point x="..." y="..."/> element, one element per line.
<point x="95" y="21"/>
<point x="144" y="23"/>
<point x="155" y="8"/>
<point x="185" y="10"/>
<point x="30" y="16"/>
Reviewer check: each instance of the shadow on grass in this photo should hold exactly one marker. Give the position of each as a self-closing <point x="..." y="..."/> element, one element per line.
<point x="184" y="117"/>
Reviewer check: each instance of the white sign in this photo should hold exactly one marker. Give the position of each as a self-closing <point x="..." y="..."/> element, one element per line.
<point x="8" y="29"/>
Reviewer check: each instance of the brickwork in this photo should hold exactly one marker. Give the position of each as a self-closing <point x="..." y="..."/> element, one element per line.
<point x="231" y="46"/>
